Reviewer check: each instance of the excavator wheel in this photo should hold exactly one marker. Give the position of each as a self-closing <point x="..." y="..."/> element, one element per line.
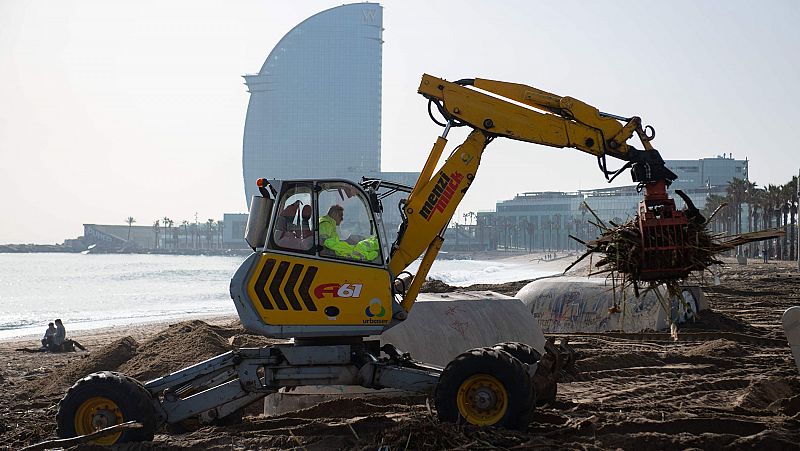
<point x="104" y="399"/>
<point x="545" y="390"/>
<point x="520" y="351"/>
<point x="485" y="387"/>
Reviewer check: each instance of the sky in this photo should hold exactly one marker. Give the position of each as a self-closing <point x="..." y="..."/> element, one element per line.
<point x="111" y="109"/>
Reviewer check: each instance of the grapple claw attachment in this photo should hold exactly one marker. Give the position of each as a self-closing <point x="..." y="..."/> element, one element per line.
<point x="665" y="253"/>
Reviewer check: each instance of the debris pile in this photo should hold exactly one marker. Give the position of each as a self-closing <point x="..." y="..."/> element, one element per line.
<point x="623" y="254"/>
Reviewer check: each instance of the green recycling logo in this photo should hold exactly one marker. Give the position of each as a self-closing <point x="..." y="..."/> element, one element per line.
<point x="373" y="311"/>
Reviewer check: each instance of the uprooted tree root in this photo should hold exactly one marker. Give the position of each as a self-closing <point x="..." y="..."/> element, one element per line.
<point x="621" y="253"/>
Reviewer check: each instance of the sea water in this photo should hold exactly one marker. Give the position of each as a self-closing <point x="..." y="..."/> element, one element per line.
<point x="122" y="290"/>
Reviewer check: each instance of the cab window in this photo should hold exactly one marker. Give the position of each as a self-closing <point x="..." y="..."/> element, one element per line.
<point x="294" y="226"/>
<point x="346" y="228"/>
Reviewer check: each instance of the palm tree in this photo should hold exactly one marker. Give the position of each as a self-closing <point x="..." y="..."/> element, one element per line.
<point x="713" y="202"/>
<point x="583" y="208"/>
<point x="531" y="236"/>
<point x="774" y="203"/>
<point x="548" y="224"/>
<point x="220" y="229"/>
<point x="793" y="212"/>
<point x="129" y="220"/>
<point x="787" y="194"/>
<point x="525" y="239"/>
<point x="167" y="225"/>
<point x="557" y="226"/>
<point x="755" y="200"/>
<point x="157" y="230"/>
<point x="185" y="225"/>
<point x="736" y="191"/>
<point x="209" y="231"/>
<point x="466" y="229"/>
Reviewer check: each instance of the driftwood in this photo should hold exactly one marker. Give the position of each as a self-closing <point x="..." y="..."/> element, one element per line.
<point x="72" y="441"/>
<point x="751" y="237"/>
<point x="620" y="249"/>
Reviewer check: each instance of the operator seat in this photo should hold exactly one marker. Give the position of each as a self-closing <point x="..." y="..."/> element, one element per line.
<point x="292" y="230"/>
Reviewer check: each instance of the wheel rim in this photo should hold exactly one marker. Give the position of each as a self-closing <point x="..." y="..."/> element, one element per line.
<point x="482" y="400"/>
<point x="97" y="413"/>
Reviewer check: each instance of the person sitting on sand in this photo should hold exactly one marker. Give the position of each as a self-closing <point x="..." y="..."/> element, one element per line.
<point x="58" y="338"/>
<point x="47" y="340"/>
<point x="60" y="341"/>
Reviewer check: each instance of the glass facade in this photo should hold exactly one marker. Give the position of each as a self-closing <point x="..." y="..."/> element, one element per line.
<point x="544" y="220"/>
<point x="707" y="172"/>
<point x="315" y="105"/>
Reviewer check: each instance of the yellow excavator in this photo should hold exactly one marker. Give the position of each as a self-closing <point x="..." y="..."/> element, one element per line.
<point x="331" y="285"/>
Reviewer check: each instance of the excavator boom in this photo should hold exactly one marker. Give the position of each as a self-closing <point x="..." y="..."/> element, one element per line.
<point x="523" y="113"/>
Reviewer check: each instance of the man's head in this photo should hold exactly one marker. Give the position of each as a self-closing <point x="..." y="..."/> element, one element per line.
<point x="50" y="325"/>
<point x="337" y="213"/>
<point x="58" y="321"/>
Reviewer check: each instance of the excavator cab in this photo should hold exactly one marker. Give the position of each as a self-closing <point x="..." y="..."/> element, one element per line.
<point x="320" y="262"/>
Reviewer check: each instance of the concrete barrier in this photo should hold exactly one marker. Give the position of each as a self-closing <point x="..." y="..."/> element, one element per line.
<point x="442" y="326"/>
<point x="581" y="304"/>
<point x="791" y="327"/>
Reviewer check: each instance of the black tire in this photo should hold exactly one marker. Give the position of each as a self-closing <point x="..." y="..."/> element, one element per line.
<point x="104" y="399"/>
<point x="545" y="393"/>
<point x="499" y="379"/>
<point x="520" y="351"/>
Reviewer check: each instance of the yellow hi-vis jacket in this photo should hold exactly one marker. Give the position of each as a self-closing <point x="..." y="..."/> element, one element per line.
<point x="366" y="249"/>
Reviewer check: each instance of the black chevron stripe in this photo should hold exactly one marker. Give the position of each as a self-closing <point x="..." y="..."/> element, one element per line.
<point x="261" y="284"/>
<point x="305" y="286"/>
<point x="290" y="283"/>
<point x="275" y="286"/>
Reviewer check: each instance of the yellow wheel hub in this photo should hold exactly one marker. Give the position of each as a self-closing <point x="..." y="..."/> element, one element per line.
<point x="482" y="400"/>
<point x="98" y="413"/>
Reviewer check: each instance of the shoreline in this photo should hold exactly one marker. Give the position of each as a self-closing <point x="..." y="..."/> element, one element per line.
<point x="31" y="334"/>
<point x="107" y="333"/>
<point x="62" y="249"/>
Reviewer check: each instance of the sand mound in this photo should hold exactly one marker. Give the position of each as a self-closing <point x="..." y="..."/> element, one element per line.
<point x="718" y="321"/>
<point x="789" y="406"/>
<point x="763" y="392"/>
<point x="179" y="346"/>
<point x="508" y="288"/>
<point x="107" y="358"/>
<point x="717" y="348"/>
<point x="436" y="286"/>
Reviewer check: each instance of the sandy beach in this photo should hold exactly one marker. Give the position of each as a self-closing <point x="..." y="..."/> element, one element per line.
<point x="729" y="382"/>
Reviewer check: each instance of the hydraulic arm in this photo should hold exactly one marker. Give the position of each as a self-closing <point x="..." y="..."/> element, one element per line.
<point x="523" y="113"/>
